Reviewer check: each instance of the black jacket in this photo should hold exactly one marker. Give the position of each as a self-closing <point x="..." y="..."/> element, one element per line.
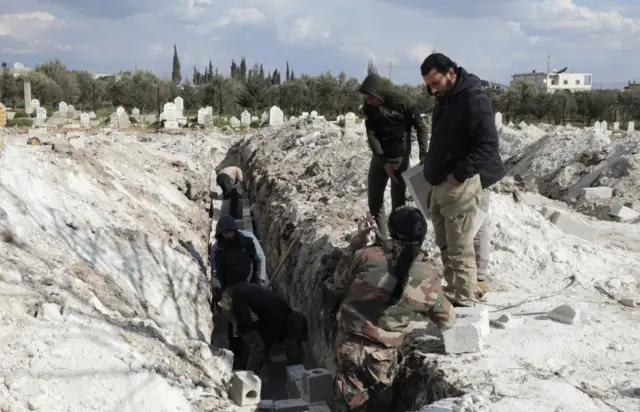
<point x="238" y="260"/>
<point x="389" y="124"/>
<point x="271" y="310"/>
<point x="464" y="139"/>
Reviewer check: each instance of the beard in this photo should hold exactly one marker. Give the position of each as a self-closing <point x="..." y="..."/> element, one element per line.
<point x="446" y="89"/>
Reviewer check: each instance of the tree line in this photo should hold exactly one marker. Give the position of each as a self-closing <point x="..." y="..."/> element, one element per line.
<point x="256" y="90"/>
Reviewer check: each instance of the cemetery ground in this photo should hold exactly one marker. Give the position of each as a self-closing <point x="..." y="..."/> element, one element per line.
<point x="104" y="269"/>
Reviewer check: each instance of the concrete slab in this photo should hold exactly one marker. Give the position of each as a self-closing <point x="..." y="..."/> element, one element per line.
<point x="573" y="226"/>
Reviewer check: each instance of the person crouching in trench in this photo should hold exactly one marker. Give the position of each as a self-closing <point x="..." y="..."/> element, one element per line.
<point x="383" y="293"/>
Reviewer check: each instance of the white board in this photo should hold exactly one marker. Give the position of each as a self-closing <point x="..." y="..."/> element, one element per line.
<point x="417" y="185"/>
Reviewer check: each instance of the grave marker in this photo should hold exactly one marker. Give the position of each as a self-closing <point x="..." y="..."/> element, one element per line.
<point x="350" y="119"/>
<point x="85" y="120"/>
<point x="245" y="119"/>
<point x="276" y="116"/>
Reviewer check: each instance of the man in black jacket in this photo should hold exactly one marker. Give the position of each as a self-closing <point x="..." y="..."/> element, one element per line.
<point x="462" y="162"/>
<point x="264" y="318"/>
<point x="236" y="258"/>
<point x="389" y="118"/>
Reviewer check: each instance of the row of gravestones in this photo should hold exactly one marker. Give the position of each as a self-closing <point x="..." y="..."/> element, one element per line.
<point x="599" y="126"/>
<point x="172" y="114"/>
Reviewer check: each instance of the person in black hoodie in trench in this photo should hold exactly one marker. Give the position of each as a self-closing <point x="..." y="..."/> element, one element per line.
<point x="462" y="162"/>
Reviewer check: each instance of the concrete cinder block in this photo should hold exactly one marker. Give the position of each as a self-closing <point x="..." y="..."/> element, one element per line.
<point x="317" y="385"/>
<point x="622" y="213"/>
<point x="266" y="405"/>
<point x="574" y="226"/>
<point x="472" y="327"/>
<point x="245" y="388"/>
<point x="294" y="380"/>
<point x="602" y="192"/>
<point x="417" y="185"/>
<point x="291" y="405"/>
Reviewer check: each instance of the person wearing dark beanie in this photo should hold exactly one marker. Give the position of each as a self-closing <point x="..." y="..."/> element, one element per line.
<point x="382" y="290"/>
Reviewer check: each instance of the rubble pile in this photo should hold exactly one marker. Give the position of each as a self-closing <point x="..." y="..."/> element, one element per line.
<point x="103" y="273"/>
<point x="565" y="162"/>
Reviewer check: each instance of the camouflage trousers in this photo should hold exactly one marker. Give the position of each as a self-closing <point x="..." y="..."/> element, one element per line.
<point x="366" y="371"/>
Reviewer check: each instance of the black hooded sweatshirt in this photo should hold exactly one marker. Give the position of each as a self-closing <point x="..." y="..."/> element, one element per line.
<point x="389" y="124"/>
<point x="464" y="139"/>
<point x="236" y="260"/>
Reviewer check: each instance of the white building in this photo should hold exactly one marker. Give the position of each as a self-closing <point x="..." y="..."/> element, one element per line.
<point x="561" y="80"/>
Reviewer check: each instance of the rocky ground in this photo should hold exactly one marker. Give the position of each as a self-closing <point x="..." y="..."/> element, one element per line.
<point x="308" y="185"/>
<point x="103" y="274"/>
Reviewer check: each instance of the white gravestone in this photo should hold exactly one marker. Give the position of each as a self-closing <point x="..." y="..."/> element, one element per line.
<point x="314" y="115"/>
<point x="170" y="113"/>
<point x="350" y="119"/>
<point x="245" y="119"/>
<point x="71" y="111"/>
<point x="293" y="120"/>
<point x="35" y="104"/>
<point x="41" y="115"/>
<point x="417" y="186"/>
<point x="597" y="126"/>
<point x="631" y="127"/>
<point x="498" y="119"/>
<point x="234" y="122"/>
<point x="208" y="120"/>
<point x="264" y="117"/>
<point x="304" y="115"/>
<point x="62" y="108"/>
<point x="202" y="112"/>
<point x="209" y="110"/>
<point x="135" y="111"/>
<point x="604" y="126"/>
<point x="255" y="119"/>
<point x="276" y="116"/>
<point x="179" y="102"/>
<point x="85" y="120"/>
<point x="120" y="111"/>
<point x="616" y="125"/>
<point x="92" y="115"/>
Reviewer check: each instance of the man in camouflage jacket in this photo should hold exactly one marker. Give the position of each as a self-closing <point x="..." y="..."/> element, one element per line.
<point x="383" y="292"/>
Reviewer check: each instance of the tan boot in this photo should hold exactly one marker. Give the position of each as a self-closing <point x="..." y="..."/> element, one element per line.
<point x="481" y="289"/>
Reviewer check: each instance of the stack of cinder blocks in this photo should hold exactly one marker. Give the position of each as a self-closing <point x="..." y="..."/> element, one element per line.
<point x="470" y="332"/>
<point x="309" y="390"/>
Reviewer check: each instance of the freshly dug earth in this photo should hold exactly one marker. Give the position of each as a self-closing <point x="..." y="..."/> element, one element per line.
<point x="308" y="186"/>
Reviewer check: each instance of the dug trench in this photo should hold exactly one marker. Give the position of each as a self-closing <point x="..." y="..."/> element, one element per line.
<point x="301" y="228"/>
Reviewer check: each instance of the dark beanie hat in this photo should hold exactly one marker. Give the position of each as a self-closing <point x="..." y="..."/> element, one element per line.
<point x="407" y="224"/>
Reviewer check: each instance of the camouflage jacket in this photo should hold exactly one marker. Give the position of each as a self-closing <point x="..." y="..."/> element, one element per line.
<point x="368" y="283"/>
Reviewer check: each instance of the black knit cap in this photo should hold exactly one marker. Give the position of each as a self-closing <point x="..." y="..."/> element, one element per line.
<point x="407" y="224"/>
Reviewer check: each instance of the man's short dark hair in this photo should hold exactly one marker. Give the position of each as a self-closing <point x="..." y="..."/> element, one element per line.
<point x="437" y="61"/>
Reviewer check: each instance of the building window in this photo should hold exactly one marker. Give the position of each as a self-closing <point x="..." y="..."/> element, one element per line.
<point x="566" y="82"/>
<point x="577" y="82"/>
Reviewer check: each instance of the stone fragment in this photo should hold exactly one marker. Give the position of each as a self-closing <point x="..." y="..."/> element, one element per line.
<point x="245" y="388"/>
<point x="50" y="312"/>
<point x="601" y="192"/>
<point x="505" y="321"/>
<point x="629" y="302"/>
<point x="622" y="213"/>
<point x="574" y="226"/>
<point x="567" y="314"/>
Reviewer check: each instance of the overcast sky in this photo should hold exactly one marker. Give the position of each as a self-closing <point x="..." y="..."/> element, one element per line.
<point x="492" y="38"/>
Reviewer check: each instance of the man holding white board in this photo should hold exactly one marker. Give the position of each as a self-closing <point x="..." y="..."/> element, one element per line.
<point x="462" y="161"/>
